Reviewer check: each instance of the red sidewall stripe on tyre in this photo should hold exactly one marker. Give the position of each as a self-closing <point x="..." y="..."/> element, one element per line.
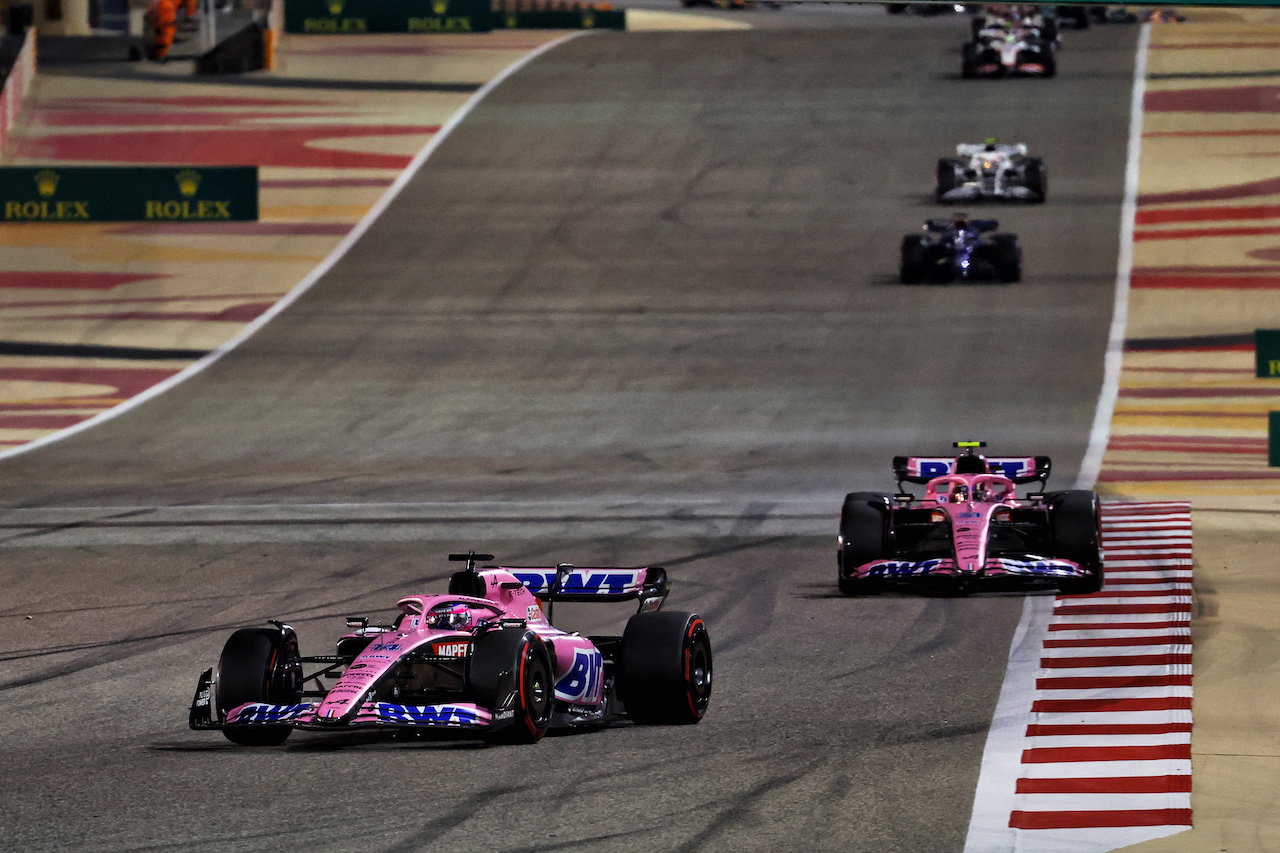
<point x="1090" y="749"/>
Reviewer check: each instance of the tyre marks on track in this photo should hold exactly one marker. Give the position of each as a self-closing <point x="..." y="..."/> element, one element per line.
<point x="1097" y="753"/>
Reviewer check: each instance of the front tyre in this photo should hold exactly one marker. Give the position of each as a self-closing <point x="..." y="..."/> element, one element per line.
<point x="863" y="522"/>
<point x="1007" y="256"/>
<point x="913" y="269"/>
<point x="948" y="178"/>
<point x="511" y="671"/>
<point x="1036" y="179"/>
<point x="258" y="665"/>
<point x="1075" y="521"/>
<point x="664" y="668"/>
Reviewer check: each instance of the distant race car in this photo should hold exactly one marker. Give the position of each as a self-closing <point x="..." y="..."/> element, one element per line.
<point x="1015" y="44"/>
<point x="991" y="171"/>
<point x="970" y="529"/>
<point x="963" y="249"/>
<point x="482" y="660"/>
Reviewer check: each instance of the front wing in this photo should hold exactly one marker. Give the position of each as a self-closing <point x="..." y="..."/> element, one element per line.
<point x="304" y="715"/>
<point x="973" y="191"/>
<point x="1030" y="568"/>
<point x="461" y="715"/>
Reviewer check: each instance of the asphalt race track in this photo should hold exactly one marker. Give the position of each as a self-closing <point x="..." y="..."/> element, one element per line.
<point x="641" y="307"/>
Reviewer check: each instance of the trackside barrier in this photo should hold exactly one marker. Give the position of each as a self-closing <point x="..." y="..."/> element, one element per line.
<point x="354" y="17"/>
<point x="128" y="193"/>
<point x="542" y="15"/>
<point x="17" y="84"/>
<point x="1266" y="349"/>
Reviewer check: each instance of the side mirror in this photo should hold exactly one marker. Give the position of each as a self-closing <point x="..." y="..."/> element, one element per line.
<point x="357" y="622"/>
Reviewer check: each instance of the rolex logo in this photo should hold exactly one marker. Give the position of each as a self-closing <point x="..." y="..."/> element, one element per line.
<point x="335" y="7"/>
<point x="188" y="182"/>
<point x="439" y="6"/>
<point x="46" y="182"/>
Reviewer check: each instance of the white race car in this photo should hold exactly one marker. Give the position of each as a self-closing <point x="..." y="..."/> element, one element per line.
<point x="1012" y="45"/>
<point x="991" y="171"/>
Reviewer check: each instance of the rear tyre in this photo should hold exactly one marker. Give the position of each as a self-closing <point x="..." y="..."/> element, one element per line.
<point x="511" y="671"/>
<point x="664" y="668"/>
<point x="863" y="523"/>
<point x="1076" y="526"/>
<point x="1008" y="257"/>
<point x="258" y="665"/>
<point x="912" y="269"/>
<point x="969" y="60"/>
<point x="1035" y="177"/>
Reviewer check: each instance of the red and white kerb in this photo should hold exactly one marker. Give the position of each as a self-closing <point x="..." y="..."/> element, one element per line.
<point x="1090" y="749"/>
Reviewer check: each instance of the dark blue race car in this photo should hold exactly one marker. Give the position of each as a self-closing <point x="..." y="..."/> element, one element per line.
<point x="963" y="249"/>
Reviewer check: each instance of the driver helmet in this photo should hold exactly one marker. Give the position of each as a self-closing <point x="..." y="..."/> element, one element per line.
<point x="959" y="493"/>
<point x="453" y="616"/>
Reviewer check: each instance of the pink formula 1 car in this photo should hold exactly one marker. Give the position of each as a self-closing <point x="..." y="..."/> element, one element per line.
<point x="970" y="529"/>
<point x="483" y="659"/>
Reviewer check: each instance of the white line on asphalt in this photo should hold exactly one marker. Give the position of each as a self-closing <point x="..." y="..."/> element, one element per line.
<point x="1091" y="465"/>
<point x="306" y="284"/>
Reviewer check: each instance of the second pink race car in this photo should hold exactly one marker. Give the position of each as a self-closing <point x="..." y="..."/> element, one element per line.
<point x="970" y="529"/>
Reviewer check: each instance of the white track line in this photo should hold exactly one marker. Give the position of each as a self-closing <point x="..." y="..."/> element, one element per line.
<point x="316" y="274"/>
<point x="1091" y="465"/>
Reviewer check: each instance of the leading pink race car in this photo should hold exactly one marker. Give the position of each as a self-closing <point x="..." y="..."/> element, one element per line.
<point x="483" y="659"/>
<point x="970" y="529"/>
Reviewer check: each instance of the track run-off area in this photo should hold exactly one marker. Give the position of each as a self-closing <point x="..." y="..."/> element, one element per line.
<point x="639" y="306"/>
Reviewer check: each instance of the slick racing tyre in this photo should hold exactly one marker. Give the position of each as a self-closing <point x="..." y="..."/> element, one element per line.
<point x="1035" y="177"/>
<point x="913" y="269"/>
<point x="664" y="668"/>
<point x="948" y="178"/>
<point x="511" y="672"/>
<point x="1049" y="59"/>
<point x="1007" y="256"/>
<point x="862" y="539"/>
<point x="1075" y="524"/>
<point x="258" y="665"/>
<point x="969" y="60"/>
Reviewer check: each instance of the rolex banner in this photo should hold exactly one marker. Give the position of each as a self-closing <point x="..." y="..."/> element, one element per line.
<point x="350" y="17"/>
<point x="129" y="193"/>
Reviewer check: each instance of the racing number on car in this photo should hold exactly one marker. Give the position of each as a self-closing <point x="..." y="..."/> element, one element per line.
<point x="582" y="683"/>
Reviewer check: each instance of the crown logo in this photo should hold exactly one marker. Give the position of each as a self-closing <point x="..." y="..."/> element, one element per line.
<point x="46" y="182"/>
<point x="512" y="21"/>
<point x="188" y="182"/>
<point x="588" y="19"/>
<point x="439" y="6"/>
<point x="335" y="7"/>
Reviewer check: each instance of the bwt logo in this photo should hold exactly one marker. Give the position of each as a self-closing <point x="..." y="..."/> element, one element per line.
<point x="580" y="582"/>
<point x="426" y="715"/>
<point x="583" y="680"/>
<point x="268" y="713"/>
<point x="898" y="567"/>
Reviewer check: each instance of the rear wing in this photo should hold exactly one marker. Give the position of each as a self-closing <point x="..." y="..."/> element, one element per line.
<point x="1019" y="469"/>
<point x="566" y="582"/>
<point x="969" y="149"/>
